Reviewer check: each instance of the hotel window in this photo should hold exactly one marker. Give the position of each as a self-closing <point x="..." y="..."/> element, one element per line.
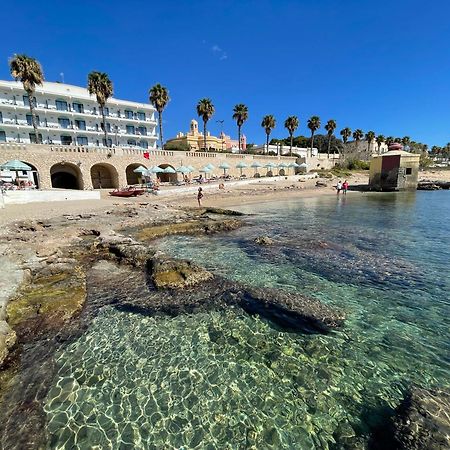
<point x="131" y="142"/>
<point x="30" y="120"/>
<point x="33" y="138"/>
<point x="130" y="129"/>
<point x="26" y="100"/>
<point x="2" y="136"/>
<point x="80" y="124"/>
<point x="78" y="107"/>
<point x="105" y="110"/>
<point x="108" y="127"/>
<point x="143" y="144"/>
<point x="63" y="122"/>
<point x="61" y="105"/>
<point x="82" y="140"/>
<point x="141" y="115"/>
<point x="66" y="140"/>
<point x="1" y="117"/>
<point x="118" y="113"/>
<point x="109" y="144"/>
<point x="128" y="114"/>
<point x="408" y="171"/>
<point x="142" y="130"/>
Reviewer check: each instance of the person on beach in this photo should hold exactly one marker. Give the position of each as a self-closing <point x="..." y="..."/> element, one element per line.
<point x="345" y="187"/>
<point x="338" y="187"/>
<point x="200" y="196"/>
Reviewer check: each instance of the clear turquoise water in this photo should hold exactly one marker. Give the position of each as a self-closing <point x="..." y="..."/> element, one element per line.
<point x="228" y="380"/>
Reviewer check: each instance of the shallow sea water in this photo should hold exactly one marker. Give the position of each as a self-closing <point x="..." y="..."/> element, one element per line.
<point x="229" y="380"/>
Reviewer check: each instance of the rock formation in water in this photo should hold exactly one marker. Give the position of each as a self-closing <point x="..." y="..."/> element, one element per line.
<point x="422" y="420"/>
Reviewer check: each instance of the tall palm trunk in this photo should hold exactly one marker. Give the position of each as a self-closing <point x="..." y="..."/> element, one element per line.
<point x="104" y="126"/>
<point x="290" y="148"/>
<point x="160" y="129"/>
<point x="329" y="145"/>
<point x="368" y="147"/>
<point x="33" y="115"/>
<point x="204" y="135"/>
<point x="312" y="142"/>
<point x="267" y="142"/>
<point x="239" y="138"/>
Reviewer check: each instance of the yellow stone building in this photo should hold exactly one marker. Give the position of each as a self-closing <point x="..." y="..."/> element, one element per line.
<point x="193" y="140"/>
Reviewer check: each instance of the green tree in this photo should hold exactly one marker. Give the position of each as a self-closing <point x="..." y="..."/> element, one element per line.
<point x="205" y="110"/>
<point x="406" y="140"/>
<point x="345" y="133"/>
<point x="313" y="125"/>
<point x="101" y="86"/>
<point x="29" y="72"/>
<point x="159" y="97"/>
<point x="240" y="115"/>
<point x="268" y="123"/>
<point x="389" y="140"/>
<point x="370" y="137"/>
<point x="291" y="124"/>
<point x="330" y="127"/>
<point x="357" y="136"/>
<point x="379" y="139"/>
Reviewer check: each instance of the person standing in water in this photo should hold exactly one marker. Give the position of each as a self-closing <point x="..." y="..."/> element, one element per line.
<point x="199" y="196"/>
<point x="338" y="187"/>
<point x="345" y="187"/>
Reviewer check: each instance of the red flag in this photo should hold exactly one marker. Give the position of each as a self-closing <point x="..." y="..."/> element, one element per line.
<point x="146" y="155"/>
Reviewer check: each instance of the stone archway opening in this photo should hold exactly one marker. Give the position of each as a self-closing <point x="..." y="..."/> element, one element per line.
<point x="167" y="177"/>
<point x="66" y="176"/>
<point x="104" y="176"/>
<point x="34" y="176"/>
<point x="132" y="177"/>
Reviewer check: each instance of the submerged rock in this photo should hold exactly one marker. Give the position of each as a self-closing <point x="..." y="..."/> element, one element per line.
<point x="264" y="240"/>
<point x="422" y="421"/>
<point x="176" y="273"/>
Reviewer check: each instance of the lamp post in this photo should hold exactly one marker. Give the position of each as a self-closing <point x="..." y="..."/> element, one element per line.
<point x="221" y="131"/>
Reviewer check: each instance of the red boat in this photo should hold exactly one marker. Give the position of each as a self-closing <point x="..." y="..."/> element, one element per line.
<point x="127" y="192"/>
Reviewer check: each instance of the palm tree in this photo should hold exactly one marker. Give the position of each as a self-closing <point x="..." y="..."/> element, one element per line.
<point x="240" y="115"/>
<point x="101" y="86"/>
<point x="330" y="127"/>
<point x="29" y="71"/>
<point x="389" y="140"/>
<point x="313" y="125"/>
<point x="380" y="139"/>
<point x="159" y="97"/>
<point x="357" y="136"/>
<point x="268" y="123"/>
<point x="406" y="140"/>
<point x="345" y="133"/>
<point x="205" y="110"/>
<point x="370" y="137"/>
<point x="291" y="124"/>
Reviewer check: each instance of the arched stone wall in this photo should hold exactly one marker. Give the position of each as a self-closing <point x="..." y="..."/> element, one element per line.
<point x="104" y="176"/>
<point x="66" y="175"/>
<point x="132" y="177"/>
<point x="167" y="177"/>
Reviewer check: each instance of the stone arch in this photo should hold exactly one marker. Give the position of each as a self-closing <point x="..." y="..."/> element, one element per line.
<point x="66" y="175"/>
<point x="281" y="172"/>
<point x="104" y="176"/>
<point x="35" y="177"/>
<point x="167" y="177"/>
<point x="132" y="177"/>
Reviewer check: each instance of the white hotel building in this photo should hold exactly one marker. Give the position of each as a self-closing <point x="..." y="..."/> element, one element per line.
<point x="68" y="115"/>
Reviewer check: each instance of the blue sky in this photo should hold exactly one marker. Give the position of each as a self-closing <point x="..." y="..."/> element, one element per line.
<point x="375" y="65"/>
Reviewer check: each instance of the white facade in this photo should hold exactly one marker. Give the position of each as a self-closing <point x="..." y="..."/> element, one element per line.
<point x="279" y="149"/>
<point x="68" y="115"/>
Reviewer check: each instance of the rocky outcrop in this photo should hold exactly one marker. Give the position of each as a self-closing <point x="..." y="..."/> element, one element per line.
<point x="7" y="340"/>
<point x="422" y="421"/>
<point x="433" y="185"/>
<point x="176" y="273"/>
<point x="264" y="240"/>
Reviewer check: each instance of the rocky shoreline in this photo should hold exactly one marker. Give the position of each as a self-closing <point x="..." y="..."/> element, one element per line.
<point x="63" y="271"/>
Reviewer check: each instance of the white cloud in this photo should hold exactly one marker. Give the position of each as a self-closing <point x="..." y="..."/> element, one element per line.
<point x="219" y="52"/>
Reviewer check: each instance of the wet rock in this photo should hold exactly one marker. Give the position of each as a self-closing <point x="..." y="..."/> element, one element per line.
<point x="422" y="421"/>
<point x="221" y="211"/>
<point x="433" y="185"/>
<point x="263" y="240"/>
<point x="176" y="273"/>
<point x="7" y="340"/>
<point x="321" y="184"/>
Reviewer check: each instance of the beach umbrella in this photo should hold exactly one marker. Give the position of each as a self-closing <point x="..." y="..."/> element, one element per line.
<point x="241" y="165"/>
<point x="169" y="169"/>
<point x="156" y="169"/>
<point x="225" y="167"/>
<point x="282" y="165"/>
<point x="191" y="169"/>
<point x="293" y="165"/>
<point x="15" y="165"/>
<point x="303" y="166"/>
<point x="270" y="165"/>
<point x="256" y="165"/>
<point x="210" y="166"/>
<point x="147" y="173"/>
<point x="205" y="170"/>
<point x="140" y="169"/>
<point x="183" y="169"/>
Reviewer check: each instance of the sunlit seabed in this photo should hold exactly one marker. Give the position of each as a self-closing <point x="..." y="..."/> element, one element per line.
<point x="228" y="380"/>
